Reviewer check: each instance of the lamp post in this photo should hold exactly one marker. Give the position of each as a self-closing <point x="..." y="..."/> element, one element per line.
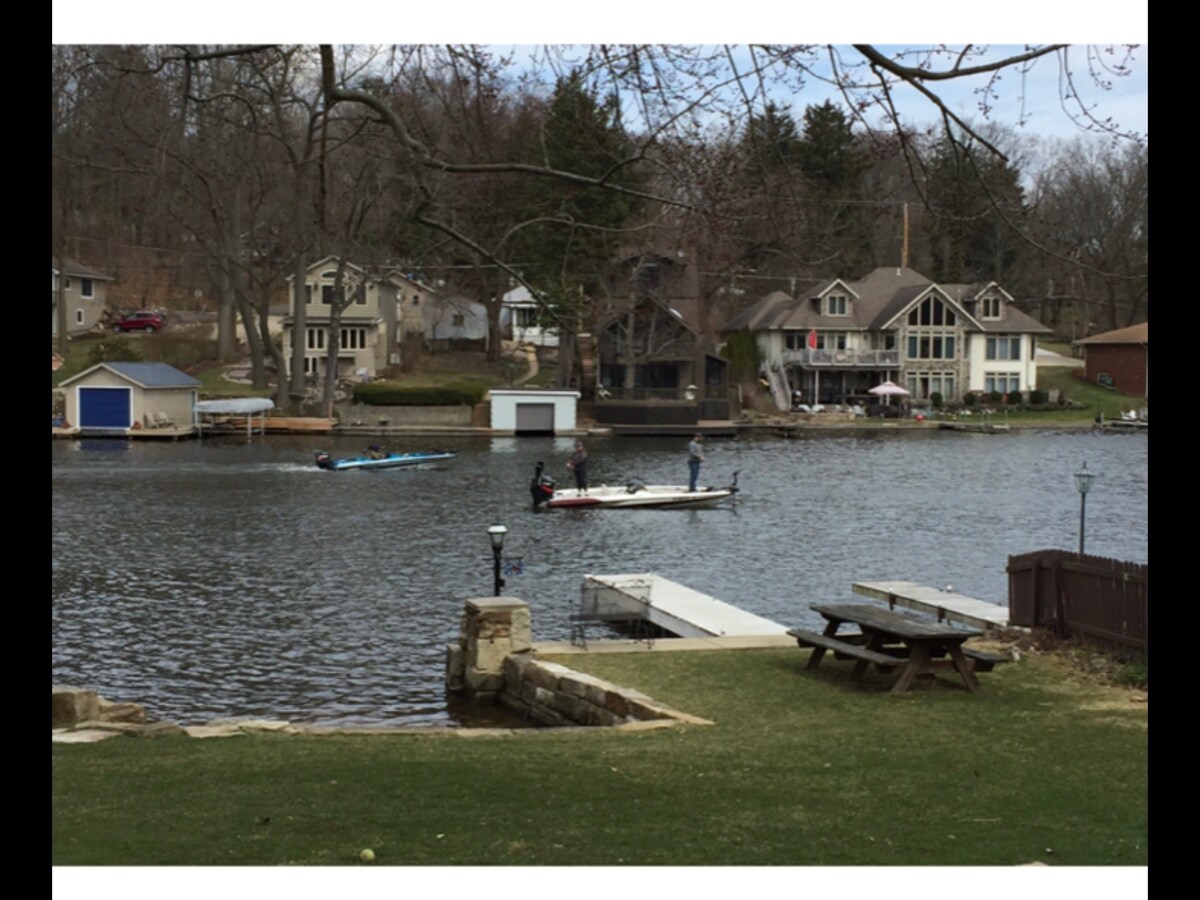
<point x="1083" y="483"/>
<point x="496" y="533"/>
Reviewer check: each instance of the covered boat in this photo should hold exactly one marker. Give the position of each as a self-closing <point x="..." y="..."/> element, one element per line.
<point x="373" y="458"/>
<point x="632" y="494"/>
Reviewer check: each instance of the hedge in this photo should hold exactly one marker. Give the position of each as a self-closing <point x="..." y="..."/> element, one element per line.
<point x="389" y="393"/>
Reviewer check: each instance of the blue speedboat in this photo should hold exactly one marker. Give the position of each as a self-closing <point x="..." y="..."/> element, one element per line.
<point x="373" y="458"/>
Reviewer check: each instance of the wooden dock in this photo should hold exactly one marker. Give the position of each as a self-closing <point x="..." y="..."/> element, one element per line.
<point x="669" y="606"/>
<point x="945" y="604"/>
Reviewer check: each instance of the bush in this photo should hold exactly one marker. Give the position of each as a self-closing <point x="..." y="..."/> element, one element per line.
<point x="993" y="397"/>
<point x="389" y="393"/>
<point x="935" y="400"/>
<point x="1013" y="398"/>
<point x="970" y="399"/>
<point x="1132" y="673"/>
<point x="1038" y="397"/>
<point x="114" y="349"/>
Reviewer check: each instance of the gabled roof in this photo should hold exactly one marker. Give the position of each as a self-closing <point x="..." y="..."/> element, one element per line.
<point x="1134" y="334"/>
<point x="647" y="301"/>
<point x="73" y="268"/>
<point x="143" y="374"/>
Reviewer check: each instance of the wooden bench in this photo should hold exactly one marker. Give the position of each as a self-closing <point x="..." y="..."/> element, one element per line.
<point x="842" y="648"/>
<point x="982" y="661"/>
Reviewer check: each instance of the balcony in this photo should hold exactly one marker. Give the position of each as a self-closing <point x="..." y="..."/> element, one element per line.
<point x="841" y="359"/>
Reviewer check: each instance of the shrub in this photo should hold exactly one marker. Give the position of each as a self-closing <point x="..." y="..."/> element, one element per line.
<point x="1132" y="673"/>
<point x="993" y="397"/>
<point x="970" y="399"/>
<point x="114" y="349"/>
<point x="1038" y="397"/>
<point x="389" y="393"/>
<point x="935" y="400"/>
<point x="1013" y="398"/>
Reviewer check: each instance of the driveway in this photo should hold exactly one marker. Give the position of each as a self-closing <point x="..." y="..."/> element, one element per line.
<point x="1050" y="358"/>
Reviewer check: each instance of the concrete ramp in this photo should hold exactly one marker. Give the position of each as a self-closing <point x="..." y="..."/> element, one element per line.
<point x="669" y="605"/>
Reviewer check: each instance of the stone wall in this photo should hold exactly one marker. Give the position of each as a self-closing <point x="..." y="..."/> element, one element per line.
<point x="351" y="413"/>
<point x="494" y="661"/>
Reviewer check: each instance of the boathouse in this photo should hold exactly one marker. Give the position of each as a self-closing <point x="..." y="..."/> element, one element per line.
<point x="121" y="398"/>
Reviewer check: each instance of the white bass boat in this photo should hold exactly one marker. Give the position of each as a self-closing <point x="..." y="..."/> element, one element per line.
<point x="546" y="495"/>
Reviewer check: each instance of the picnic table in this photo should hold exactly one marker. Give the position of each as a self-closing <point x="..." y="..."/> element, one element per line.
<point x="893" y="640"/>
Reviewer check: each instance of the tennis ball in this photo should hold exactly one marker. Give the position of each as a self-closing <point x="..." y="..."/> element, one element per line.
<point x="367" y="855"/>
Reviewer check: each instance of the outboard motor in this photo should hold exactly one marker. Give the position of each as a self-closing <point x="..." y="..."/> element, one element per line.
<point x="324" y="460"/>
<point x="541" y="487"/>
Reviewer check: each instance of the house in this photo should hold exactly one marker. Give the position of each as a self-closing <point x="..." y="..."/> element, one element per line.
<point x="655" y="371"/>
<point x="833" y="339"/>
<point x="519" y="318"/>
<point x="1119" y="359"/>
<point x="371" y="327"/>
<point x="83" y="291"/>
<point x="457" y="322"/>
<point x="120" y="398"/>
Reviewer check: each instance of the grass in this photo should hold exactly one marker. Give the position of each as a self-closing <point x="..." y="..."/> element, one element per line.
<point x="801" y="768"/>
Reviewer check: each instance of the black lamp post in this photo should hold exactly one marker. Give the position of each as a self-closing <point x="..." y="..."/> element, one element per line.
<point x="496" y="533"/>
<point x="1083" y="483"/>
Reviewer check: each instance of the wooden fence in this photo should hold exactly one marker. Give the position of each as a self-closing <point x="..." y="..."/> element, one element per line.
<point x="1101" y="600"/>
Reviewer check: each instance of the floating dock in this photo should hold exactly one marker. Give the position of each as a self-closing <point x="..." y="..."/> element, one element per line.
<point x="668" y="605"/>
<point x="945" y="604"/>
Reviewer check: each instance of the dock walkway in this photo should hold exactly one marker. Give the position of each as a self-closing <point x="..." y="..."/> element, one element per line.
<point x="945" y="604"/>
<point x="668" y="605"/>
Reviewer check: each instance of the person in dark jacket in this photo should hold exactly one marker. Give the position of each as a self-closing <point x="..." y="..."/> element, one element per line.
<point x="578" y="464"/>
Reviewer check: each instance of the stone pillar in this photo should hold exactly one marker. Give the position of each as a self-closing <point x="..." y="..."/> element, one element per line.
<point x="491" y="629"/>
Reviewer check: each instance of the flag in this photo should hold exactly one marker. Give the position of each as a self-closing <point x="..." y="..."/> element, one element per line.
<point x="812" y="339"/>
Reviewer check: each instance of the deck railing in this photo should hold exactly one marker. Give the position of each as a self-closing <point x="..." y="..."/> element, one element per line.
<point x="842" y="358"/>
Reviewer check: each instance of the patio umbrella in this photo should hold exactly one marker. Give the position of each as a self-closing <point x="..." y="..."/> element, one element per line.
<point x="887" y="390"/>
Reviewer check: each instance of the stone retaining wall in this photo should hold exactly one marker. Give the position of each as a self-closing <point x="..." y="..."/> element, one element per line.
<point x="456" y="416"/>
<point x="493" y="662"/>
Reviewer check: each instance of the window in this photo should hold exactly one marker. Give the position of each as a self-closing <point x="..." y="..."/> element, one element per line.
<point x="85" y="288"/>
<point x="932" y="311"/>
<point x="836" y="305"/>
<point x="795" y="340"/>
<point x="315" y="339"/>
<point x="831" y="340"/>
<point x="79" y="317"/>
<point x="458" y="320"/>
<point x="526" y="318"/>
<point x="931" y="346"/>
<point x="353" y="338"/>
<point x="923" y="385"/>
<point x="328" y="294"/>
<point x="991" y="308"/>
<point x="1001" y="382"/>
<point x="1003" y="346"/>
<point x="416" y="300"/>
<point x="360" y="296"/>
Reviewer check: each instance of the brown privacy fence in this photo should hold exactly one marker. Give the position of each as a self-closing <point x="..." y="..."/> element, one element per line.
<point x="1075" y="595"/>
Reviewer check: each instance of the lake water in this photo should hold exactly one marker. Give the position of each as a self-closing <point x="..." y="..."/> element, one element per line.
<point x="232" y="577"/>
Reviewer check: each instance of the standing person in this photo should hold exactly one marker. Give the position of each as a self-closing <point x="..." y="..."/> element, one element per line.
<point x="695" y="457"/>
<point x="578" y="464"/>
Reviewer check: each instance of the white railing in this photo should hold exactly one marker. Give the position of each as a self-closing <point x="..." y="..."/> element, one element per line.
<point x="838" y="358"/>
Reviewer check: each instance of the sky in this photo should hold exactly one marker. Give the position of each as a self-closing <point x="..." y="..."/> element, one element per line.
<point x="525" y="22"/>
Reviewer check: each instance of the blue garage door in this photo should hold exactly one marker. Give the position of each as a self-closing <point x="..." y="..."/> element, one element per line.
<point x="104" y="407"/>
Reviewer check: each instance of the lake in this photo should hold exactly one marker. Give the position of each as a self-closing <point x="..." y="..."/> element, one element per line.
<point x="231" y="577"/>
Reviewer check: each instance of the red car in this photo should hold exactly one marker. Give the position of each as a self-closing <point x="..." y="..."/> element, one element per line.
<point x="142" y="320"/>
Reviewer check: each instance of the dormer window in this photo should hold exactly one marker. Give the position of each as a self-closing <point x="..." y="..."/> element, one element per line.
<point x="837" y="305"/>
<point x="990" y="307"/>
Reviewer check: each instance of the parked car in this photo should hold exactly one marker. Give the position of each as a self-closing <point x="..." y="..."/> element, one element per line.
<point x="142" y="320"/>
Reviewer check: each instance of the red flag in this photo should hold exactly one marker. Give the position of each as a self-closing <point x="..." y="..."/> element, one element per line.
<point x="812" y="339"/>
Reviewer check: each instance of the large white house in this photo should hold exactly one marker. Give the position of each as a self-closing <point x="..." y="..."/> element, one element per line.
<point x="833" y="340"/>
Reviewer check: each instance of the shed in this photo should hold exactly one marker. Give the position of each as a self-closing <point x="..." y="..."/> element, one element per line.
<point x="1120" y="359"/>
<point x="534" y="412"/>
<point x="121" y="398"/>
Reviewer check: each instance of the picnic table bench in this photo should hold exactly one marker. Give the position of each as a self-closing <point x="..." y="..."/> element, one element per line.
<point x="893" y="640"/>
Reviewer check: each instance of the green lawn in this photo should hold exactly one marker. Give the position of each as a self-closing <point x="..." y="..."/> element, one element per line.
<point x="801" y="768"/>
